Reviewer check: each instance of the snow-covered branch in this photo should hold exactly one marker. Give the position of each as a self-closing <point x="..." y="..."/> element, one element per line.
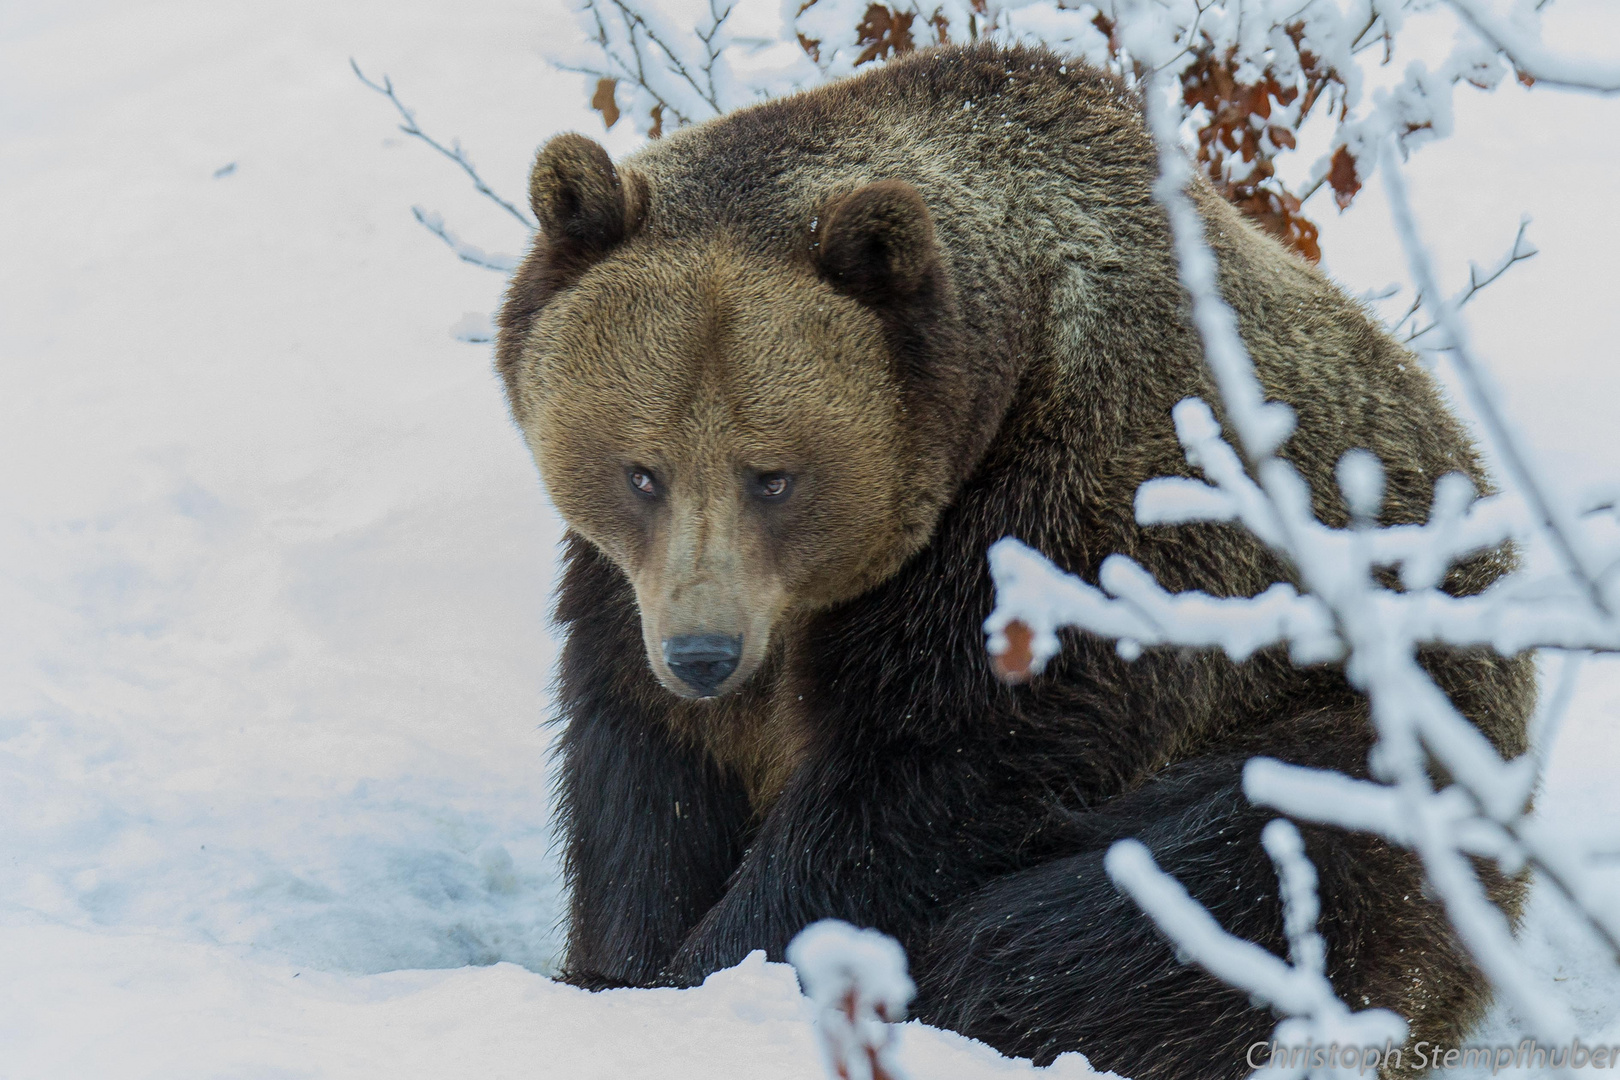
<point x="1297" y="988"/>
<point x="454" y="151"/>
<point x="1558" y="523"/>
<point x="476" y="331"/>
<point x="858" y="982"/>
<point x="466" y="252"/>
<point x="666" y="65"/>
<point x="1520" y="45"/>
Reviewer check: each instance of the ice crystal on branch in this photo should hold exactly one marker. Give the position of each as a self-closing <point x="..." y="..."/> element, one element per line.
<point x="858" y="981"/>
<point x="671" y="63"/>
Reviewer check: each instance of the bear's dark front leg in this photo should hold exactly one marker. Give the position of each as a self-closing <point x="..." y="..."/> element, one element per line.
<point x="879" y="837"/>
<point x="652" y="831"/>
<point x="652" y="827"/>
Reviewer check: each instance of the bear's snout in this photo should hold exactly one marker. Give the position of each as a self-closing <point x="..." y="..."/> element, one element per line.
<point x="702" y="661"/>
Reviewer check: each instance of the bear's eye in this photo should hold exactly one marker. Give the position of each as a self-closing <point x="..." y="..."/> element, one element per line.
<point x="643" y="483"/>
<point x="772" y="485"/>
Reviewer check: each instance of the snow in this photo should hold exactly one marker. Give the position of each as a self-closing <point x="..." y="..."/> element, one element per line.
<point x="858" y="981"/>
<point x="1548" y="65"/>
<point x="164" y="1007"/>
<point x="275" y="568"/>
<point x="274" y="656"/>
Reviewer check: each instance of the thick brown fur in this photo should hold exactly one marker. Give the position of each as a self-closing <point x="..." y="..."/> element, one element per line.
<point x="941" y="298"/>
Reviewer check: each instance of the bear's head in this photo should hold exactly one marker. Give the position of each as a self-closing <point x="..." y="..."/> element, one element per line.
<point x="751" y="435"/>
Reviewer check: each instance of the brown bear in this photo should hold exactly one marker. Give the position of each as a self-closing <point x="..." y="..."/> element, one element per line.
<point x="787" y="375"/>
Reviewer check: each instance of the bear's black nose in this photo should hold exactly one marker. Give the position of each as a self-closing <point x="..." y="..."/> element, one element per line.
<point x="702" y="661"/>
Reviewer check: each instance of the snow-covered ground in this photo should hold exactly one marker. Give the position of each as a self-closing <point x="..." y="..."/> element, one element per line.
<point x="274" y="566"/>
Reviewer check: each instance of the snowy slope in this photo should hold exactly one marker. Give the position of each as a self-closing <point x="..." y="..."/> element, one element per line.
<point x="276" y="656"/>
<point x="176" y="1010"/>
<point x="274" y="568"/>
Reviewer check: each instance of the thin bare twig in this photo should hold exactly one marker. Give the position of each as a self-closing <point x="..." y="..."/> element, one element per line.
<point x="1474" y="380"/>
<point x="636" y="75"/>
<point x="453" y="152"/>
<point x="1412" y="309"/>
<point x="1517" y="254"/>
<point x="634" y="21"/>
<point x="466" y="252"/>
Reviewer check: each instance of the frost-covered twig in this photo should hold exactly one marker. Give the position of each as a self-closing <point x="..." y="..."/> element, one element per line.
<point x="453" y="152"/>
<point x="858" y="981"/>
<point x="1298" y="989"/>
<point x="1296" y="879"/>
<point x="1481" y="395"/>
<point x="466" y="252"/>
<point x="642" y="50"/>
<point x="1330" y="798"/>
<point x="1478" y="279"/>
<point x="1533" y="58"/>
<point x="671" y="65"/>
<point x="1550" y="710"/>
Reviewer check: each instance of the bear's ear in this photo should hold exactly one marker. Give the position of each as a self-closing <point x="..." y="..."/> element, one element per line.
<point x="578" y="197"/>
<point x="877" y="243"/>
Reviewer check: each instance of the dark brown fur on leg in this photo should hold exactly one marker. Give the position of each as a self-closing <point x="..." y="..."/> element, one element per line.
<point x="1055" y="959"/>
<point x="654" y="827"/>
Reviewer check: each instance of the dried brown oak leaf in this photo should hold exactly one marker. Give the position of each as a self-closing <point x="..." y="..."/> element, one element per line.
<point x="1342" y="178"/>
<point x="1014" y="664"/>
